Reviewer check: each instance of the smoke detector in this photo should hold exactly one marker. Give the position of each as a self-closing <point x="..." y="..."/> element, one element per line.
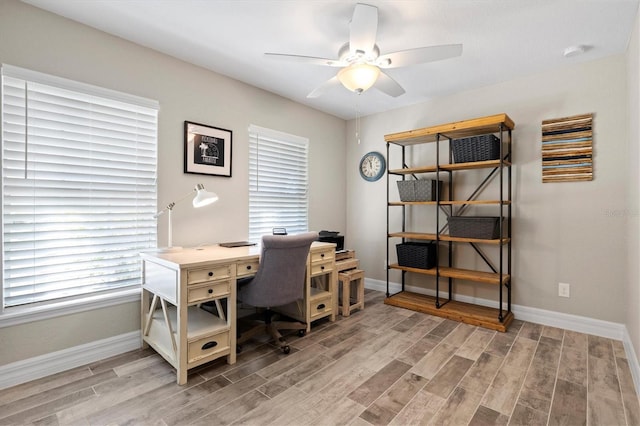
<point x="572" y="51"/>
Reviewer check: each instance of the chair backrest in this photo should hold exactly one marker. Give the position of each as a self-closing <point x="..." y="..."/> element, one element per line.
<point x="281" y="276"/>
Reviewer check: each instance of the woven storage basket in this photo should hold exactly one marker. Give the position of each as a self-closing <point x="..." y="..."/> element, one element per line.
<point x="482" y="227"/>
<point x="417" y="255"/>
<point x="476" y="148"/>
<point x="418" y="190"/>
<point x="407" y="190"/>
<point x="426" y="189"/>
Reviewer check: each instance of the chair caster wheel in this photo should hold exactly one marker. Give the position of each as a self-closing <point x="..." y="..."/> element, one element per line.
<point x="301" y="333"/>
<point x="286" y="349"/>
<point x="238" y="349"/>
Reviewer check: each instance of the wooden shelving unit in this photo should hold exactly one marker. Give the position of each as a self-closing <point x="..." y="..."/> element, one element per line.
<point x="493" y="318"/>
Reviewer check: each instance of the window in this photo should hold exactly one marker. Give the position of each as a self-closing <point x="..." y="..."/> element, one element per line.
<point x="277" y="182"/>
<point x="78" y="187"/>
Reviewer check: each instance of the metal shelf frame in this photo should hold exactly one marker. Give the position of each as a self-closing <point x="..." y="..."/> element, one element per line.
<point x="498" y="169"/>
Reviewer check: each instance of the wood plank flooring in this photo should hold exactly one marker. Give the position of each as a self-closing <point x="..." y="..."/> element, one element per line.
<point x="380" y="366"/>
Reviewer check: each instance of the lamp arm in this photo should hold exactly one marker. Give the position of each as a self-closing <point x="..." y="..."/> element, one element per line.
<point x="172" y="204"/>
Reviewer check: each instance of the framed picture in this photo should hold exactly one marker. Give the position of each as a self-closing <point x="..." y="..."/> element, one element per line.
<point x="207" y="150"/>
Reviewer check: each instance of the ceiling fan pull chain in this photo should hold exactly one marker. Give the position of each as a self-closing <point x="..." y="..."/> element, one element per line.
<point x="357" y="123"/>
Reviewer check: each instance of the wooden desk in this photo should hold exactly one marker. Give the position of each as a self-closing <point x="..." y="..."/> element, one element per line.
<point x="175" y="283"/>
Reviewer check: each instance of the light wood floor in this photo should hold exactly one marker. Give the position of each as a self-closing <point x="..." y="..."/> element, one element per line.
<point x="383" y="365"/>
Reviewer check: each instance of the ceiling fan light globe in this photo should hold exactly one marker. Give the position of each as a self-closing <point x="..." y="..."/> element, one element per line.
<point x="358" y="77"/>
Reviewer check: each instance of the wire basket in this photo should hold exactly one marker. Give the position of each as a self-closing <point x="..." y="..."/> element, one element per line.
<point x="481" y="227"/>
<point x="476" y="148"/>
<point x="417" y="255"/>
<point x="418" y="190"/>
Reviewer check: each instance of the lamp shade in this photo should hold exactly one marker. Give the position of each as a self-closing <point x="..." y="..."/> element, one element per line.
<point x="203" y="197"/>
<point x="358" y="77"/>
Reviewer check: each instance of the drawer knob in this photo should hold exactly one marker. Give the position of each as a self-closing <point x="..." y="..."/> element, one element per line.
<point x="248" y="267"/>
<point x="209" y="345"/>
<point x="210" y="290"/>
<point x="321" y="254"/>
<point x="322" y="267"/>
<point x="320" y="306"/>
<point x="210" y="274"/>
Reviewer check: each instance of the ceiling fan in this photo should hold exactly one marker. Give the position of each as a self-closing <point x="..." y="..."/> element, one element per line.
<point x="360" y="59"/>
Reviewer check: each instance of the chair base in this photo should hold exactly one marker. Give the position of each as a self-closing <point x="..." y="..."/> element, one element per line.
<point x="266" y="325"/>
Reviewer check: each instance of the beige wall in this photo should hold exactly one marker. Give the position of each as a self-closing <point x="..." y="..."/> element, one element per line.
<point x="563" y="232"/>
<point x="35" y="39"/>
<point x="633" y="216"/>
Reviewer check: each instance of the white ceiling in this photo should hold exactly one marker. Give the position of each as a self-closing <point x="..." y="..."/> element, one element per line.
<point x="502" y="39"/>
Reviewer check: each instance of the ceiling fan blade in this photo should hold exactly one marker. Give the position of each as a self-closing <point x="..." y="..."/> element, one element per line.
<point x="324" y="87"/>
<point x="306" y="59"/>
<point x="386" y="84"/>
<point x="419" y="55"/>
<point x="364" y="26"/>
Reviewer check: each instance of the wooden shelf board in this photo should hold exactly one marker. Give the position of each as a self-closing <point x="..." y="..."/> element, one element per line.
<point x="457" y="273"/>
<point x="412" y="203"/>
<point x="449" y="203"/>
<point x="458" y="129"/>
<point x="488" y="164"/>
<point x="474" y="165"/>
<point x="458" y="311"/>
<point x="444" y="237"/>
<point x="413" y="170"/>
<point x="462" y="202"/>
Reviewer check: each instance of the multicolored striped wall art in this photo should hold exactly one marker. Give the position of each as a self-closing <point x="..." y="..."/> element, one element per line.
<point x="567" y="149"/>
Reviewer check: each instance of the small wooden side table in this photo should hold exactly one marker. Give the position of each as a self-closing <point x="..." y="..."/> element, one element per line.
<point x="350" y="276"/>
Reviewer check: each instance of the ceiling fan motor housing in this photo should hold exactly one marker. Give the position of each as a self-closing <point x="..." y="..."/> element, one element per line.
<point x="359" y="56"/>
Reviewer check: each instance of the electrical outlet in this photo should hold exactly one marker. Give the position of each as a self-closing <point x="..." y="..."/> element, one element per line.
<point x="564" y="290"/>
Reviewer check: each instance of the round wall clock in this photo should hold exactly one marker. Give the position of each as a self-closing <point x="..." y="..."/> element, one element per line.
<point x="372" y="166"/>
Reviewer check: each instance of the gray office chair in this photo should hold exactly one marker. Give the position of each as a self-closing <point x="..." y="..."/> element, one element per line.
<point x="280" y="280"/>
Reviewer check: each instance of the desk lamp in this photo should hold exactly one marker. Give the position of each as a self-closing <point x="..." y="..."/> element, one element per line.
<point x="202" y="198"/>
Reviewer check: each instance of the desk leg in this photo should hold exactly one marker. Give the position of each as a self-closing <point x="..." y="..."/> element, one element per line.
<point x="307" y="297"/>
<point x="333" y="288"/>
<point x="232" y="321"/>
<point x="181" y="352"/>
<point x="183" y="321"/>
<point x="144" y="310"/>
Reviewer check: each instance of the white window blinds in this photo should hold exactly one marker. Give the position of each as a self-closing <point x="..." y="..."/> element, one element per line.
<point x="278" y="197"/>
<point x="78" y="187"/>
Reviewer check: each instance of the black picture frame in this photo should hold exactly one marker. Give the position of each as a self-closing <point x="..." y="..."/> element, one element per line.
<point x="207" y="149"/>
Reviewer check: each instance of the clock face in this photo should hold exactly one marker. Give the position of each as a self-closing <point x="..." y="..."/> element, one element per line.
<point x="372" y="166"/>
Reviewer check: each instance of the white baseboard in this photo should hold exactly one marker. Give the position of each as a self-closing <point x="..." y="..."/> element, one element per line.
<point x="45" y="365"/>
<point x="632" y="357"/>
<point x="611" y="330"/>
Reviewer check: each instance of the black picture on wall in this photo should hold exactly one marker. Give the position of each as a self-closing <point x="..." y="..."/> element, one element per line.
<point x="207" y="150"/>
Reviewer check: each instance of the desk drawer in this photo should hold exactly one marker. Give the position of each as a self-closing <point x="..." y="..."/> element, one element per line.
<point x="320" y="306"/>
<point x="213" y="273"/>
<point x="208" y="291"/>
<point x="321" y="256"/>
<point x="247" y="268"/>
<point x="207" y="346"/>
<point x="321" y="268"/>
